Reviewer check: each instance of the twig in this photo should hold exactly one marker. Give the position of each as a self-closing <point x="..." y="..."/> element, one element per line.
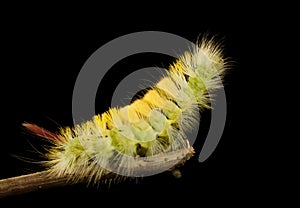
<point x="42" y="180"/>
<point x="28" y="183"/>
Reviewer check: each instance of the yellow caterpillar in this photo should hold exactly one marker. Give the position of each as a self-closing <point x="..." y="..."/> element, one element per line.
<point x="149" y="127"/>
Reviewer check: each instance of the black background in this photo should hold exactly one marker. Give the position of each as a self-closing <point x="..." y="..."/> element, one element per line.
<point x="43" y="60"/>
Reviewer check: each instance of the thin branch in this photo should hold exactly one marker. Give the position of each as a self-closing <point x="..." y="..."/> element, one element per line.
<point x="43" y="180"/>
<point x="28" y="183"/>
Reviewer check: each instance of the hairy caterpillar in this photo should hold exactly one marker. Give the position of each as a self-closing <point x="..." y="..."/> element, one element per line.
<point x="148" y="128"/>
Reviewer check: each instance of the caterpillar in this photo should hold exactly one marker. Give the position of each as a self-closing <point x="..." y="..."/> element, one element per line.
<point x="149" y="128"/>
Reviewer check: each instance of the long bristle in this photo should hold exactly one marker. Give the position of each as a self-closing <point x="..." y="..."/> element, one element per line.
<point x="41" y="132"/>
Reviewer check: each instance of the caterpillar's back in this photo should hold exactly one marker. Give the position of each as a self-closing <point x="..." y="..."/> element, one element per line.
<point x="150" y="127"/>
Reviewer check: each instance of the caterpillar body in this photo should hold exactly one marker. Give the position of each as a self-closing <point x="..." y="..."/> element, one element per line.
<point x="148" y="128"/>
